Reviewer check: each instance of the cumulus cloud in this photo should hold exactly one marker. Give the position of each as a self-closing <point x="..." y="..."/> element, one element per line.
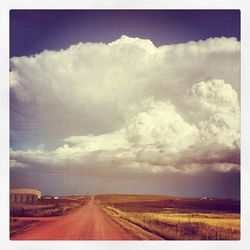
<point x="130" y="106"/>
<point x="162" y="127"/>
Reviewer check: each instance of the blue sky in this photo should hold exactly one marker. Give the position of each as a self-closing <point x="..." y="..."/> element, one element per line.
<point x="63" y="28"/>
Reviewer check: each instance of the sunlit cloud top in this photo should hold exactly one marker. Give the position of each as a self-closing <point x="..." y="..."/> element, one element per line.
<point x="130" y="106"/>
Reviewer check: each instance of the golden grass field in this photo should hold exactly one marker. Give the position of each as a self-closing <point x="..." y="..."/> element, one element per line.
<point x="177" y="218"/>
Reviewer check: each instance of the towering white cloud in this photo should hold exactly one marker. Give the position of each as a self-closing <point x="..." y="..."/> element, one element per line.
<point x="131" y="106"/>
<point x="218" y="115"/>
<point x="160" y="126"/>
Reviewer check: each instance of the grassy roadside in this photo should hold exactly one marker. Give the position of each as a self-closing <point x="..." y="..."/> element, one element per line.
<point x="41" y="208"/>
<point x="137" y="231"/>
<point x="46" y="208"/>
<point x="17" y="225"/>
<point x="184" y="227"/>
<point x="176" y="218"/>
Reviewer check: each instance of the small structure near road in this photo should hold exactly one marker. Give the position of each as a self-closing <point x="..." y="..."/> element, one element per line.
<point x="24" y="195"/>
<point x="203" y="198"/>
<point x="206" y="198"/>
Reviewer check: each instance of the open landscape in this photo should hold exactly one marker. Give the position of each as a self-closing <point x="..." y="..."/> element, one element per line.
<point x="131" y="217"/>
<point x="125" y="124"/>
<point x="177" y="218"/>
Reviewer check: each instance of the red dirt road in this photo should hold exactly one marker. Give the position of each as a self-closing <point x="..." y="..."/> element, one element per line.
<point x="87" y="223"/>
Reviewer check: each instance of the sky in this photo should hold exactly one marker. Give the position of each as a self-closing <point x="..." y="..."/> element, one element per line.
<point x="125" y="102"/>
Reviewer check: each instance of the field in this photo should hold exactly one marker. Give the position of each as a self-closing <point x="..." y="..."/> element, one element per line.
<point x="177" y="218"/>
<point x="23" y="215"/>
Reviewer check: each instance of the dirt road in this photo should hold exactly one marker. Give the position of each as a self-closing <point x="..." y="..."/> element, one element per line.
<point x="87" y="223"/>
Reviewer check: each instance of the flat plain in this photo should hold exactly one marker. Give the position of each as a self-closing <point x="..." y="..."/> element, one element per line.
<point x="177" y="218"/>
<point x="126" y="217"/>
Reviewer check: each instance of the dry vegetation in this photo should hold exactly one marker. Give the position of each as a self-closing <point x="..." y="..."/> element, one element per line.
<point x="46" y="207"/>
<point x="179" y="218"/>
<point x="16" y="224"/>
<point x="23" y="215"/>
